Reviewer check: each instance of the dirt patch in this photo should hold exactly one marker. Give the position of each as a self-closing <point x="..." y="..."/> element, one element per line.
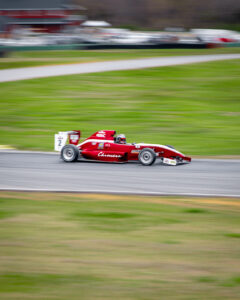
<point x="221" y="203"/>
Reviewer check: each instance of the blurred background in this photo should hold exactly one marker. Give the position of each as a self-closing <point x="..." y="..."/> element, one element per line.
<point x="141" y="22"/>
<point x="187" y="105"/>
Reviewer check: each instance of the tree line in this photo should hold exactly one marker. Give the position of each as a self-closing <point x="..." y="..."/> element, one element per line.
<point x="157" y="14"/>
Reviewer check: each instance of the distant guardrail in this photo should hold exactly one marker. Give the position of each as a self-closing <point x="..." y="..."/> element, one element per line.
<point x="232" y="44"/>
<point x="102" y="46"/>
<point x="6" y="49"/>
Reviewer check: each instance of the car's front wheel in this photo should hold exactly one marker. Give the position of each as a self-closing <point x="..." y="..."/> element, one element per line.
<point x="69" y="153"/>
<point x="147" y="157"/>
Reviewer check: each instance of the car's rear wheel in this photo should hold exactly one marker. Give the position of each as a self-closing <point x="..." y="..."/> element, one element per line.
<point x="69" y="153"/>
<point x="147" y="157"/>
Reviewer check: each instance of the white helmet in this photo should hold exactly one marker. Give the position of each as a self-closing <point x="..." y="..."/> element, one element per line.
<point x="121" y="139"/>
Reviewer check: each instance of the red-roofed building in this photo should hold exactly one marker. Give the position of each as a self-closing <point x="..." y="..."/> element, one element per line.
<point x="41" y="15"/>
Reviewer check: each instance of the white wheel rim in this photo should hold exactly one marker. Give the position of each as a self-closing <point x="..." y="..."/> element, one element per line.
<point x="68" y="153"/>
<point x="146" y="157"/>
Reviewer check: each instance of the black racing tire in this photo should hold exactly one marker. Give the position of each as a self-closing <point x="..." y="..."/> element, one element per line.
<point x="147" y="156"/>
<point x="69" y="153"/>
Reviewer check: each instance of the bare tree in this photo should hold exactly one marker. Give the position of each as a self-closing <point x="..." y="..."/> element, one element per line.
<point x="161" y="13"/>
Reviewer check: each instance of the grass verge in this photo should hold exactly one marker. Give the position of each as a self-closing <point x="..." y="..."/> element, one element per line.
<point x="23" y="59"/>
<point x="195" y="107"/>
<point x="63" y="246"/>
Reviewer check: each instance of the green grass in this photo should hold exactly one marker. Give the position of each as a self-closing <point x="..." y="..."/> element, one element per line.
<point x="39" y="58"/>
<point x="60" y="246"/>
<point x="195" y="108"/>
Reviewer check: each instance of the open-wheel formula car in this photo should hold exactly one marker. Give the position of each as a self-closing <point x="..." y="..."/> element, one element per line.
<point x="105" y="145"/>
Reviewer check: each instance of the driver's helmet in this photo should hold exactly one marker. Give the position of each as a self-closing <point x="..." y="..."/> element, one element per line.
<point x="121" y="139"/>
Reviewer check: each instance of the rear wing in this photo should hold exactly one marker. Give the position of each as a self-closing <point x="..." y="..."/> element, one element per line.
<point x="66" y="137"/>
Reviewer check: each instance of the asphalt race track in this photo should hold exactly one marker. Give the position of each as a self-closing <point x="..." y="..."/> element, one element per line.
<point x="130" y="64"/>
<point x="46" y="172"/>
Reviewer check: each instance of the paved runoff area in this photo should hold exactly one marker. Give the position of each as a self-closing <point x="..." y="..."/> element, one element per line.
<point x="84" y="68"/>
<point x="46" y="172"/>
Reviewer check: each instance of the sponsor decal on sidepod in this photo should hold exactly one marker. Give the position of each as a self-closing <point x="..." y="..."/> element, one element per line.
<point x="101" y="154"/>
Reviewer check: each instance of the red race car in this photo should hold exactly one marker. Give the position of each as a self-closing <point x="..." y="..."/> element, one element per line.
<point x="105" y="145"/>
